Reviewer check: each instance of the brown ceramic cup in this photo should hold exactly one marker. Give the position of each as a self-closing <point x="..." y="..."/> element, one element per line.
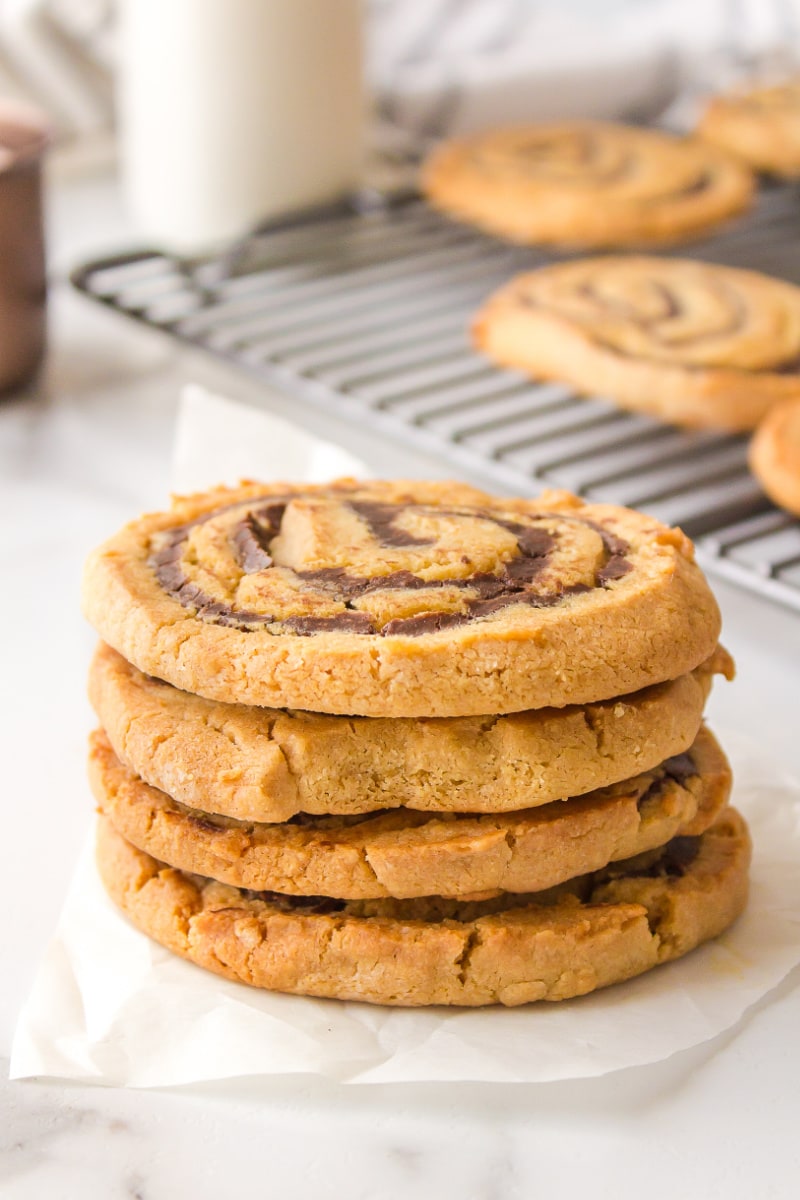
<point x="24" y="136"/>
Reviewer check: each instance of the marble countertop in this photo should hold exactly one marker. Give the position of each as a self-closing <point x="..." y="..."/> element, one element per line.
<point x="81" y="452"/>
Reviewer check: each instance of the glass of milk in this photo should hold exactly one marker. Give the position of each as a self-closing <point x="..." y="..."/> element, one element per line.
<point x="235" y="111"/>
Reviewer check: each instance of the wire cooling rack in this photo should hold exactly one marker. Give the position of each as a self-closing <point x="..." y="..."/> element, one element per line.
<point x="365" y="311"/>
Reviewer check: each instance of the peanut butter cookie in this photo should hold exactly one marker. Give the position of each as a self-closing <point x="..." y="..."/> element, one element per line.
<point x="585" y="183"/>
<point x="401" y="600"/>
<point x="260" y="764"/>
<point x="693" y="343"/>
<point x="760" y="126"/>
<point x="405" y="854"/>
<point x="775" y="455"/>
<point x="511" y="949"/>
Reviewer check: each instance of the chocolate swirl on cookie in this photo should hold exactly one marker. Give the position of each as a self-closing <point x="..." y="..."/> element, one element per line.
<point x="698" y="315"/>
<point x="523" y="603"/>
<point x="306" y="564"/>
<point x="618" y="162"/>
<point x="585" y="183"/>
<point x="695" y="343"/>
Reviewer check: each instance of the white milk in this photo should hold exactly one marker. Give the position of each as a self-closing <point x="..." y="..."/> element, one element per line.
<point x="233" y="111"/>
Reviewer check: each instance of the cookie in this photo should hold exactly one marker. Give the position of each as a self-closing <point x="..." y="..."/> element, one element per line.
<point x="260" y="764"/>
<point x="511" y="949"/>
<point x="775" y="455"/>
<point x="401" y="600"/>
<point x="760" y="126"/>
<point x="585" y="183"/>
<point x="404" y="853"/>
<point x="690" y="342"/>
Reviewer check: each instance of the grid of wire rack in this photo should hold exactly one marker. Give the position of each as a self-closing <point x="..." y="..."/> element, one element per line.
<point x="365" y="310"/>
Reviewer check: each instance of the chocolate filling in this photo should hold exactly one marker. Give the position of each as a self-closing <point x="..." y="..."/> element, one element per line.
<point x="380" y="520"/>
<point x="541" y="155"/>
<point x="252" y="536"/>
<point x="348" y="820"/>
<point x="250" y="542"/>
<point x="433" y="622"/>
<point x="672" y="308"/>
<point x="615" y="568"/>
<point x="318" y="905"/>
<point x="676" y="856"/>
<point x="681" y="767"/>
<point x="701" y="183"/>
<point x="344" y="622"/>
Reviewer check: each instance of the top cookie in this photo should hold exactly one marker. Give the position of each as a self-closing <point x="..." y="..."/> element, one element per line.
<point x="761" y="126"/>
<point x="401" y="599"/>
<point x="586" y="183"/>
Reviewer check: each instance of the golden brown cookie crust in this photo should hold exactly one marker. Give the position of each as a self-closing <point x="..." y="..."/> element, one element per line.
<point x="267" y="765"/>
<point x="585" y="183"/>
<point x="510" y="950"/>
<point x="775" y="455"/>
<point x="693" y="343"/>
<point x="760" y="126"/>
<point x="404" y="854"/>
<point x="401" y="600"/>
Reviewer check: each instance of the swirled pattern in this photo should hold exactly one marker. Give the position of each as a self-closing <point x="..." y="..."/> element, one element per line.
<point x="694" y="343"/>
<point x="586" y="183"/>
<point x="624" y="163"/>
<point x="671" y="310"/>
<point x="400" y="599"/>
<point x="306" y="564"/>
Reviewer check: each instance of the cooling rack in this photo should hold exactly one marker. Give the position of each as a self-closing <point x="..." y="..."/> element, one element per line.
<point x="363" y="309"/>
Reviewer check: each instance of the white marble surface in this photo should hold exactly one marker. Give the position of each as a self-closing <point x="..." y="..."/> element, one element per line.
<point x="85" y="450"/>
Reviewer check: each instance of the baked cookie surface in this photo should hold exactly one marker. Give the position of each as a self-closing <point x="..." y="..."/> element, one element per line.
<point x="406" y="854"/>
<point x="691" y="342"/>
<point x="269" y="764"/>
<point x="586" y="184"/>
<point x="760" y="126"/>
<point x="512" y="949"/>
<point x="401" y="599"/>
<point x="775" y="455"/>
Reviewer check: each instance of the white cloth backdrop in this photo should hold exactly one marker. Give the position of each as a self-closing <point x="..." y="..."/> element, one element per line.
<point x="444" y="65"/>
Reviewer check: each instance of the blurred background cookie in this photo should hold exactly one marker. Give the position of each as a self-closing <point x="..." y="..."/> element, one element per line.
<point x="691" y="342"/>
<point x="775" y="455"/>
<point x="585" y="183"/>
<point x="761" y="126"/>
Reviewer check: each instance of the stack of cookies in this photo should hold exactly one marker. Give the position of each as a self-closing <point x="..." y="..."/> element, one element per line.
<point x="410" y="743"/>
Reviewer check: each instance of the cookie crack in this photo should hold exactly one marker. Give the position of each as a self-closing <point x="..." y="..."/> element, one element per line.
<point x="510" y="840"/>
<point x="363" y="854"/>
<point x="594" y="725"/>
<point x="462" y="963"/>
<point x="332" y="926"/>
<point x="659" y="916"/>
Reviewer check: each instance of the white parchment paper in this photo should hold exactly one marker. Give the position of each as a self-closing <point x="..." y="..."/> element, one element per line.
<point x="110" y="1006"/>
